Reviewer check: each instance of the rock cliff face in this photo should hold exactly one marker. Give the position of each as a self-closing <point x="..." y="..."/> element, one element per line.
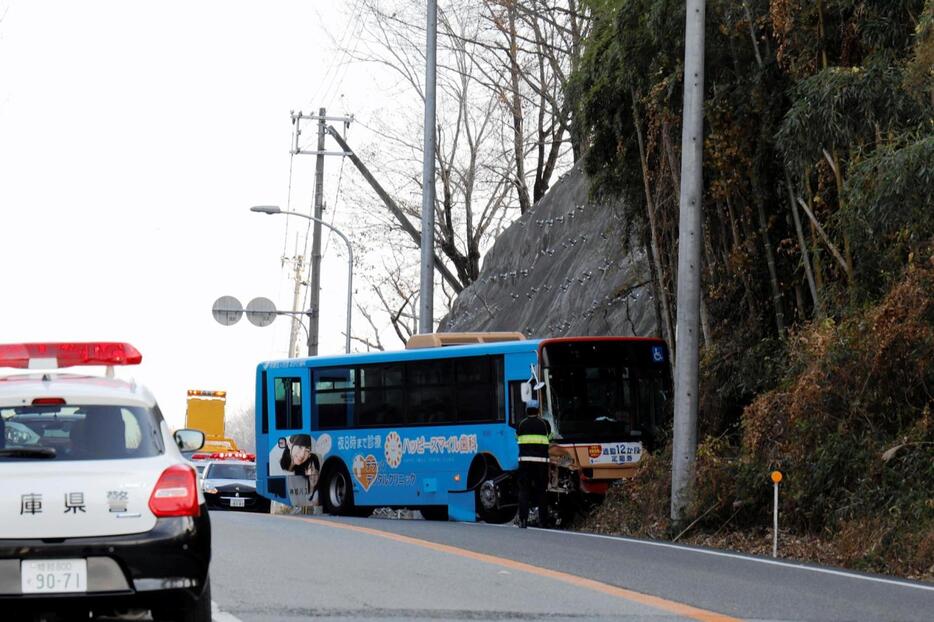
<point x="560" y="270"/>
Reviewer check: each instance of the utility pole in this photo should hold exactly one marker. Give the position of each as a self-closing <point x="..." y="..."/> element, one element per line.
<point x="297" y="262"/>
<point x="314" y="281"/>
<point x="427" y="290"/>
<point x="690" y="238"/>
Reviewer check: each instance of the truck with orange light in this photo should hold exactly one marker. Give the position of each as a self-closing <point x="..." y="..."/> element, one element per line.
<point x="205" y="411"/>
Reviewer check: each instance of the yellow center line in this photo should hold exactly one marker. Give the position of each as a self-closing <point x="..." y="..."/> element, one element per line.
<point x="671" y="606"/>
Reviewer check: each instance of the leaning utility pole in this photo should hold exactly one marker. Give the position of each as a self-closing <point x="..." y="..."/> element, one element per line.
<point x="690" y="238"/>
<point x="393" y="207"/>
<point x="314" y="281"/>
<point x="427" y="290"/>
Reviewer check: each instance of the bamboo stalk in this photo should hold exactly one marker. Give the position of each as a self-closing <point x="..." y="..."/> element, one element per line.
<point x="826" y="238"/>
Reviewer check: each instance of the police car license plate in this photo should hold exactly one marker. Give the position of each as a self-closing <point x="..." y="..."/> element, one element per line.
<point x="237" y="502"/>
<point x="50" y="576"/>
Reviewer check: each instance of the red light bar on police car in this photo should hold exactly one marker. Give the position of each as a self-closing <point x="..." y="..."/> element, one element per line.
<point x="57" y="355"/>
<point x="232" y="455"/>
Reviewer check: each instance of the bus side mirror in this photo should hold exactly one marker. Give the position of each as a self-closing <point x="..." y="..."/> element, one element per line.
<point x="525" y="390"/>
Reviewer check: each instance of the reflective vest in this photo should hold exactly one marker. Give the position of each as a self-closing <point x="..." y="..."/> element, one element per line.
<point x="533" y="435"/>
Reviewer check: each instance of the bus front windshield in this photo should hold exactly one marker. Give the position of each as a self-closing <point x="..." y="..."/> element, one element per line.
<point x="605" y="391"/>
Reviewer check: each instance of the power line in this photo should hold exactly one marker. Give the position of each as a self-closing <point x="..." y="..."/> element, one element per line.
<point x="288" y="202"/>
<point x="324" y="87"/>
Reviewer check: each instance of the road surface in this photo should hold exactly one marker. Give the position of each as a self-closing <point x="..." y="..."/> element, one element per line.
<point x="295" y="567"/>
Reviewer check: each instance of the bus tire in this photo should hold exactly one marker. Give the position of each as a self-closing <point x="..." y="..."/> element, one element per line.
<point x="485" y="468"/>
<point x="338" y="491"/>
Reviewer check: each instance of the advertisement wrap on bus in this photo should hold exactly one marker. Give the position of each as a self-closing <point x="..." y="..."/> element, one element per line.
<point x="432" y="427"/>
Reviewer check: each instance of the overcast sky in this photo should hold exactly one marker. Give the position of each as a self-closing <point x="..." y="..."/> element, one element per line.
<point x="134" y="137"/>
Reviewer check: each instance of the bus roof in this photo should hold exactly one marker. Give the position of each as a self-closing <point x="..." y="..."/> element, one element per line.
<point x="359" y="358"/>
<point x="434" y="340"/>
<point x="450" y="351"/>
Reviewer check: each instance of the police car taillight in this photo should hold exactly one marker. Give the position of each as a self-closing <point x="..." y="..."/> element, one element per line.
<point x="175" y="493"/>
<point x="57" y="355"/>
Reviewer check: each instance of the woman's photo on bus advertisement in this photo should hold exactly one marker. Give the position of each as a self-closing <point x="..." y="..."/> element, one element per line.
<point x="298" y="459"/>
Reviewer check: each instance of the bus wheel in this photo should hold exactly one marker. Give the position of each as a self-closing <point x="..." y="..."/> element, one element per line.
<point x="338" y="492"/>
<point x="498" y="516"/>
<point x="488" y="499"/>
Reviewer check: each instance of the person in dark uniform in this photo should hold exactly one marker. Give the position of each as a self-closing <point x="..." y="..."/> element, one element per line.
<point x="534" y="436"/>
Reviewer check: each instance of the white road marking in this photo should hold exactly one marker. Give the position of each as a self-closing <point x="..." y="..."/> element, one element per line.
<point x="221" y="616"/>
<point x="771" y="562"/>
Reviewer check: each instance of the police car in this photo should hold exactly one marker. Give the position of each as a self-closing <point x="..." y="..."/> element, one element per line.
<point x="229" y="483"/>
<point x="99" y="510"/>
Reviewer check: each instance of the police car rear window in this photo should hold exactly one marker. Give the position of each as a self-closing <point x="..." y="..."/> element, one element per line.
<point x="232" y="471"/>
<point x="103" y="432"/>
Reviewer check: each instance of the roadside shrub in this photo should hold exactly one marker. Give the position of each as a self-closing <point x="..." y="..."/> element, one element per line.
<point x="851" y="426"/>
<point x="852" y="430"/>
<point x="638" y="506"/>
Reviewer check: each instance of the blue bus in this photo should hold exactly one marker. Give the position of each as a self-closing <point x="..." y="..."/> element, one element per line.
<point x="432" y="427"/>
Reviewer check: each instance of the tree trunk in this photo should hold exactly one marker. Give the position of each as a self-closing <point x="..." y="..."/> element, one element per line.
<point x="805" y="254"/>
<point x="517" y="122"/>
<point x="779" y="307"/>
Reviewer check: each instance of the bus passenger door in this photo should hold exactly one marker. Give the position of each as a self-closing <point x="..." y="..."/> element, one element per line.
<point x="289" y="447"/>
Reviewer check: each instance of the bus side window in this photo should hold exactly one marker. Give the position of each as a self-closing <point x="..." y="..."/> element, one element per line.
<point x="479" y="390"/>
<point x="288" y="394"/>
<point x="429" y="389"/>
<point x="334" y="397"/>
<point x="381" y="396"/>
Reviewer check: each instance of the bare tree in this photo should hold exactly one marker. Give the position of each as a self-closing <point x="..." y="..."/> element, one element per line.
<point x="503" y="131"/>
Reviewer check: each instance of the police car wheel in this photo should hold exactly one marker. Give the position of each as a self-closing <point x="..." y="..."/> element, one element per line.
<point x="198" y="610"/>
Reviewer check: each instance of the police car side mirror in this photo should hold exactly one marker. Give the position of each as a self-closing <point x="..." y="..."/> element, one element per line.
<point x="189" y="440"/>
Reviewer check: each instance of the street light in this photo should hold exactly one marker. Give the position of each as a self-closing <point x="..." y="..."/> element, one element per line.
<point x="274" y="209"/>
